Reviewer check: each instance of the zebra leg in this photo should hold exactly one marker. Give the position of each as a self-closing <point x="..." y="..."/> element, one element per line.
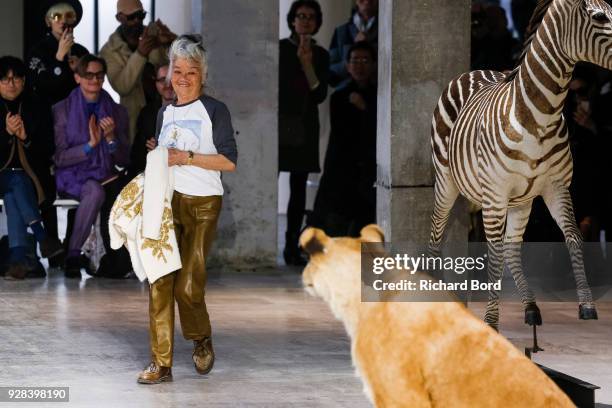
<point x="445" y="195"/>
<point x="515" y="228"/>
<point x="559" y="203"/>
<point x="494" y="219"/>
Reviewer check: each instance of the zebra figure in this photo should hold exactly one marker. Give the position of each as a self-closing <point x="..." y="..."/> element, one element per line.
<point x="501" y="140"/>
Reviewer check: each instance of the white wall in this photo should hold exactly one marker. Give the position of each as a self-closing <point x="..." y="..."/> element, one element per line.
<point x="335" y="12"/>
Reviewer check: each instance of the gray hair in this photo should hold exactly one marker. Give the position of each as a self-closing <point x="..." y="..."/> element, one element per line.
<point x="189" y="47"/>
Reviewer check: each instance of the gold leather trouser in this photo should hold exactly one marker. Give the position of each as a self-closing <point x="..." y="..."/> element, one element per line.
<point x="195" y="224"/>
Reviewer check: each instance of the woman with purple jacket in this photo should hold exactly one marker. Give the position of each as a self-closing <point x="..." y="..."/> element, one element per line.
<point x="91" y="138"/>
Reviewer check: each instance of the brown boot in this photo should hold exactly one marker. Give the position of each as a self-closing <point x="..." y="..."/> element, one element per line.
<point x="155" y="374"/>
<point x="16" y="271"/>
<point x="203" y="355"/>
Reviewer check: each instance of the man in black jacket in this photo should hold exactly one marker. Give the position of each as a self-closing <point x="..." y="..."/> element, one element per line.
<point x="346" y="199"/>
<point x="26" y="141"/>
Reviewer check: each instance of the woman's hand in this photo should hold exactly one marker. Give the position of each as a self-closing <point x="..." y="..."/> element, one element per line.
<point x="108" y="128"/>
<point x="151" y="144"/>
<point x="66" y="42"/>
<point x="94" y="132"/>
<point x="305" y="50"/>
<point x="165" y="36"/>
<point x="357" y="101"/>
<point x="177" y="157"/>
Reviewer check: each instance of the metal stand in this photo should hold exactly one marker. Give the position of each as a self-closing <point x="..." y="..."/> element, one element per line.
<point x="580" y="392"/>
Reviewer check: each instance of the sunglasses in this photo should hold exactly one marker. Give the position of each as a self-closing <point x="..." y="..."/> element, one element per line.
<point x="69" y="17"/>
<point x="138" y="15"/>
<point x="14" y="79"/>
<point x="91" y="75"/>
<point x="306" y="17"/>
<point x="360" y="61"/>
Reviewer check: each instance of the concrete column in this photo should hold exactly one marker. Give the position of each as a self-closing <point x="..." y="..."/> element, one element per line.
<point x="242" y="42"/>
<point x="11" y="28"/>
<point x="423" y="44"/>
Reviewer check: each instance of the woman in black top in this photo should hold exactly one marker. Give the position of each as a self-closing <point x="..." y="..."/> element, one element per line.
<point x="303" y="79"/>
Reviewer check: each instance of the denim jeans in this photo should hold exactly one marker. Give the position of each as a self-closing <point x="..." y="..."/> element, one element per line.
<point x="20" y="203"/>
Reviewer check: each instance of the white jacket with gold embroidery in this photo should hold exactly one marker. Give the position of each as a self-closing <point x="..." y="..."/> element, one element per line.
<point x="141" y="219"/>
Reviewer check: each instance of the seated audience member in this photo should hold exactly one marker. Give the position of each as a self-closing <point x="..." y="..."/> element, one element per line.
<point x="91" y="138"/>
<point x="25" y="142"/>
<point x="145" y="141"/>
<point x="362" y="26"/>
<point x="346" y="199"/>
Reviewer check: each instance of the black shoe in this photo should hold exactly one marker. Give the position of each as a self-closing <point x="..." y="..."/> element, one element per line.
<point x="72" y="269"/>
<point x="294" y="257"/>
<point x="16" y="271"/>
<point x="51" y="247"/>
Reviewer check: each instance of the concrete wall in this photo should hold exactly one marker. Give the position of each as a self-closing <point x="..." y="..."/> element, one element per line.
<point x="422" y="46"/>
<point x="241" y="37"/>
<point x="11" y="27"/>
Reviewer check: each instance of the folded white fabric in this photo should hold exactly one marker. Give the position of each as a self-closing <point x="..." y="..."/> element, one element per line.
<point x="141" y="219"/>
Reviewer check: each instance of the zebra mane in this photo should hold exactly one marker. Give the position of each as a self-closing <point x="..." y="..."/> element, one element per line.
<point x="534" y="23"/>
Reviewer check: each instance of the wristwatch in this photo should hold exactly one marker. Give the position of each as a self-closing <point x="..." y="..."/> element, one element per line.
<point x="190" y="158"/>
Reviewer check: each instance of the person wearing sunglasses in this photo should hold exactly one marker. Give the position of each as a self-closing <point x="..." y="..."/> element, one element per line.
<point x="26" y="140"/>
<point x="127" y="51"/>
<point x="51" y="61"/>
<point x="50" y="65"/>
<point x="91" y="139"/>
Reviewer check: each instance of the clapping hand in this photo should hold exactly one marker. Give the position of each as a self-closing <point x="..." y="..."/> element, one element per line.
<point x="94" y="132"/>
<point x="14" y="126"/>
<point x="147" y="43"/>
<point x="357" y="101"/>
<point x="165" y="36"/>
<point x="361" y="36"/>
<point x="108" y="128"/>
<point x="305" y="50"/>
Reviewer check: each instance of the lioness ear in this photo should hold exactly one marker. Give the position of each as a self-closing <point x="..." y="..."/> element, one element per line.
<point x="313" y="240"/>
<point x="372" y="233"/>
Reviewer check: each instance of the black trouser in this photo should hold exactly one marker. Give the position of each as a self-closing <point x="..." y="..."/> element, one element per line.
<point x="297" y="204"/>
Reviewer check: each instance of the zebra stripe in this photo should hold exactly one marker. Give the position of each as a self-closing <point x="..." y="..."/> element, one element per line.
<point x="501" y="140"/>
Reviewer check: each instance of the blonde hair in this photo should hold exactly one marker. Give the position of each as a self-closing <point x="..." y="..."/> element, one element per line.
<point x="59" y="8"/>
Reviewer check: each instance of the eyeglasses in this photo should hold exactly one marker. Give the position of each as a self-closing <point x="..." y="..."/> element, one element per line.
<point x="306" y="17"/>
<point x="360" y="61"/>
<point x="69" y="17"/>
<point x="14" y="79"/>
<point x="138" y="15"/>
<point x="91" y="75"/>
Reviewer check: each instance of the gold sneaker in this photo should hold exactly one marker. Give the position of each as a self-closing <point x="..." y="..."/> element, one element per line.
<point x="155" y="374"/>
<point x="203" y="355"/>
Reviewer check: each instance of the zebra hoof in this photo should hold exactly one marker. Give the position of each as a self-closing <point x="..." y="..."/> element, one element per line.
<point x="532" y="315"/>
<point x="587" y="313"/>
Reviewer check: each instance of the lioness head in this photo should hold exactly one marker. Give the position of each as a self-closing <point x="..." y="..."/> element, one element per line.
<point x="334" y="270"/>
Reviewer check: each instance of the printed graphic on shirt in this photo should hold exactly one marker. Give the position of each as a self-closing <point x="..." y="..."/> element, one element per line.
<point x="182" y="135"/>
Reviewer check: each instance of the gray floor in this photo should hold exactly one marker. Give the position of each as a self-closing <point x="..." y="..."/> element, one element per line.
<point x="276" y="347"/>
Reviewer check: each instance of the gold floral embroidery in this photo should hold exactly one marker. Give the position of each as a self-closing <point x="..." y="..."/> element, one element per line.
<point x="159" y="245"/>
